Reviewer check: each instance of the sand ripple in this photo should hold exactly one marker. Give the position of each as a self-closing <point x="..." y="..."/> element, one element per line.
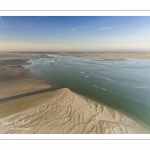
<point x="69" y="113"/>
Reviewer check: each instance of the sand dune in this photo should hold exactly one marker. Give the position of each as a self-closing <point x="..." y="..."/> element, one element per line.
<point x="63" y="111"/>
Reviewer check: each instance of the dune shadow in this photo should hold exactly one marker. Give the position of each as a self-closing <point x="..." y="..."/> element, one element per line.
<point x="2" y="100"/>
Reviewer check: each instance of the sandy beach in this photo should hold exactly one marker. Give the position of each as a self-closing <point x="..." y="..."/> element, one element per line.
<point x="28" y="105"/>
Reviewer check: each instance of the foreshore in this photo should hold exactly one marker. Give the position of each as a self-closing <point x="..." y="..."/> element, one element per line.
<point x="28" y="105"/>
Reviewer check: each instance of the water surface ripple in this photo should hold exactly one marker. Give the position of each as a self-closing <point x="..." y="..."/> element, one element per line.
<point x="124" y="85"/>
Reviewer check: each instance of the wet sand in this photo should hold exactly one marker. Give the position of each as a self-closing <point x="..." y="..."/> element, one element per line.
<point x="28" y="105"/>
<point x="107" y="56"/>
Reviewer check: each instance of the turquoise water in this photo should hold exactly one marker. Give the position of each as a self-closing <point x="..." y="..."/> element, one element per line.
<point x="124" y="85"/>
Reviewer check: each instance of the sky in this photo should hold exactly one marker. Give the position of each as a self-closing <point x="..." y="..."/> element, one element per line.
<point x="74" y="33"/>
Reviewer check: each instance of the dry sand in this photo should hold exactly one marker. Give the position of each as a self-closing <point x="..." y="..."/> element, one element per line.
<point x="63" y="111"/>
<point x="27" y="105"/>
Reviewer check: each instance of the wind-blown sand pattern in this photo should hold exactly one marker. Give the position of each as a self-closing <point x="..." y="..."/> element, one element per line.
<point x="28" y="105"/>
<point x="63" y="111"/>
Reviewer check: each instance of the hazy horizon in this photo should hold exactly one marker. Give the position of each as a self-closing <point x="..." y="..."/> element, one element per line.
<point x="75" y="33"/>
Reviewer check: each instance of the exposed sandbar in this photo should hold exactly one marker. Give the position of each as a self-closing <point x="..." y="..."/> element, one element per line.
<point x="27" y="105"/>
<point x="107" y="56"/>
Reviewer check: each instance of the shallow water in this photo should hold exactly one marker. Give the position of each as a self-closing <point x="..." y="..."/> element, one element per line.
<point x="124" y="85"/>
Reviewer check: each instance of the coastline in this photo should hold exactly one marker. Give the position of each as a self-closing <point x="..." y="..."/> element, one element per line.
<point x="39" y="110"/>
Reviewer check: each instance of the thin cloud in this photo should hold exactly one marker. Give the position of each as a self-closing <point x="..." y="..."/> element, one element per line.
<point x="3" y="23"/>
<point x="105" y="28"/>
<point x="112" y="27"/>
<point x="6" y="26"/>
<point x="73" y="29"/>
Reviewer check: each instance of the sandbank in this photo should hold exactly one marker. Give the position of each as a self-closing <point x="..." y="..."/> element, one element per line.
<point x="28" y="105"/>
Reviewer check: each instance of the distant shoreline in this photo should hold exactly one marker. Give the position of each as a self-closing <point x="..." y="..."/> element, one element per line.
<point x="108" y="56"/>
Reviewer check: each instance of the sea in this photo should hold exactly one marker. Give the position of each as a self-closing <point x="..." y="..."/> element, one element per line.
<point x="121" y="85"/>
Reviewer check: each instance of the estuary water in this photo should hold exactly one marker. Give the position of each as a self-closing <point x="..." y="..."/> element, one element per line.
<point x="122" y="85"/>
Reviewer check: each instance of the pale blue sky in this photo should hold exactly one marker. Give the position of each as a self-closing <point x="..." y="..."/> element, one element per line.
<point x="74" y="33"/>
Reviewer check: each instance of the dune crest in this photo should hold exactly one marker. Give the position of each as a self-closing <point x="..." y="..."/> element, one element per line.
<point x="69" y="113"/>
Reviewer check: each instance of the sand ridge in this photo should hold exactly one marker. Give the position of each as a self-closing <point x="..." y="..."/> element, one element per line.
<point x="69" y="113"/>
